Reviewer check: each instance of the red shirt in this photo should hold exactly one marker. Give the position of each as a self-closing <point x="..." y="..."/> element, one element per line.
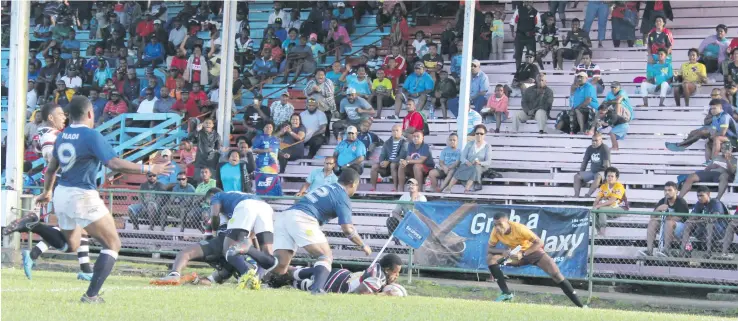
<point x="200" y="95"/>
<point x="404" y="29"/>
<point x="196" y="67"/>
<point x="658" y="6"/>
<point x="179" y="63"/>
<point x="114" y="108"/>
<point x="145" y="28"/>
<point x="190" y="107"/>
<point x="394" y="75"/>
<point x="414" y="120"/>
<point x="733" y="45"/>
<point x="401" y="63"/>
<point x="171" y="83"/>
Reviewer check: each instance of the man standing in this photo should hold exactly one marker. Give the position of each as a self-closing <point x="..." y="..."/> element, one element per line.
<point x="671" y="203"/>
<point x="537" y="102"/>
<point x="350" y="152"/>
<point x="525" y="23"/>
<point x="319" y="177"/>
<point x="79" y="152"/>
<point x="393" y="150"/>
<point x="598" y="157"/>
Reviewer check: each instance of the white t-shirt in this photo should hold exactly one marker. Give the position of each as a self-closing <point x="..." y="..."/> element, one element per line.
<point x="406" y="198"/>
<point x="73" y="83"/>
<point x="146" y="106"/>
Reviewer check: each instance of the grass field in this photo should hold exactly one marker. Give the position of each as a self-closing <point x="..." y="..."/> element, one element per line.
<point x="55" y="296"/>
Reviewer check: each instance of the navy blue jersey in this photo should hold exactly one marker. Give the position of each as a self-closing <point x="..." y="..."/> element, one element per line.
<point x="81" y="151"/>
<point x="712" y="207"/>
<point x="229" y="200"/>
<point x="326" y="203"/>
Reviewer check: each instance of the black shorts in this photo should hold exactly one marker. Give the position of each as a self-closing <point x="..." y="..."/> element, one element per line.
<point x="386" y="171"/>
<point x="530" y="259"/>
<point x="212" y="249"/>
<point x="708" y="176"/>
<point x="386" y="101"/>
<point x="569" y="54"/>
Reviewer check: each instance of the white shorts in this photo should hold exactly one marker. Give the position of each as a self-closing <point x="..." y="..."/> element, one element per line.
<point x="293" y="229"/>
<point x="252" y="215"/>
<point x="77" y="207"/>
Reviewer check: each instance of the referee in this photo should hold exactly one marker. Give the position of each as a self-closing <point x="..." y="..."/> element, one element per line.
<point x="513" y="234"/>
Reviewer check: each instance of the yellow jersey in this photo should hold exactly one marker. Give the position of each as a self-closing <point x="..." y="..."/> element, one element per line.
<point x="617" y="191"/>
<point x="519" y="235"/>
<point x="691" y="72"/>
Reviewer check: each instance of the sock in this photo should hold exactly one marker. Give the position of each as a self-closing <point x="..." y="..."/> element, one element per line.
<point x="103" y="266"/>
<point x="38" y="249"/>
<point x="569" y="291"/>
<point x="497" y="273"/>
<point x="238" y="263"/>
<point x="263" y="259"/>
<point x="303" y="273"/>
<point x="52" y="236"/>
<point x="83" y="255"/>
<point x="320" y="277"/>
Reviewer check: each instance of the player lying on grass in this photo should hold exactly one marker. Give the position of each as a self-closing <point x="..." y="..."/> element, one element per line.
<point x="299" y="226"/>
<point x="512" y="235"/>
<point x="369" y="281"/>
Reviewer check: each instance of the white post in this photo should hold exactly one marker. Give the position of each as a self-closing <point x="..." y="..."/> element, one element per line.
<point x="466" y="59"/>
<point x="19" y="34"/>
<point x="227" y="59"/>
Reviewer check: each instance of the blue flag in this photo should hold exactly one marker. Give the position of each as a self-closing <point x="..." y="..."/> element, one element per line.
<point x="412" y="231"/>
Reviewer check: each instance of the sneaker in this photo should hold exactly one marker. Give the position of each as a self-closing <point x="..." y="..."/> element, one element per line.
<point x="674" y="147"/>
<point x="504" y="297"/>
<point x="249" y="281"/>
<point x="92" y="300"/>
<point x="707" y="163"/>
<point x="393" y="117"/>
<point x="25" y="222"/>
<point x="173" y="278"/>
<point x="84" y="276"/>
<point x="27" y="263"/>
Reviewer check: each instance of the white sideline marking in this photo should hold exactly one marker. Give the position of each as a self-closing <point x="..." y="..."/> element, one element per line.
<point x="104" y="289"/>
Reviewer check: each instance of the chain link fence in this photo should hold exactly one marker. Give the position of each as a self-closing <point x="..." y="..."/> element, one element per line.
<point x="649" y="248"/>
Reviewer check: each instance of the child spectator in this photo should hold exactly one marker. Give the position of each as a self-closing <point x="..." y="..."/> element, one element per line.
<point x="359" y="81"/>
<point x="497" y="107"/>
<point x="447" y="163"/>
<point x="548" y="39"/>
<point x="419" y="43"/>
<point x="292" y="39"/>
<point x="318" y="49"/>
<point x="497" y="37"/>
<point x="393" y="72"/>
<point x="335" y="76"/>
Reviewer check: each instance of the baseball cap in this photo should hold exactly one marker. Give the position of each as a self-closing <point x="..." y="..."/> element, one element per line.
<point x="583" y="74"/>
<point x="351" y="129"/>
<point x="313" y="36"/>
<point x="278" y="21"/>
<point x="350" y="91"/>
<point x="476" y="62"/>
<point x="115" y="93"/>
<point x="530" y="54"/>
<point x="412" y="181"/>
<point x="286" y="94"/>
<point x="311" y="100"/>
<point x="340" y="5"/>
<point x="157" y="22"/>
<point x="615" y="84"/>
<point x="166" y="152"/>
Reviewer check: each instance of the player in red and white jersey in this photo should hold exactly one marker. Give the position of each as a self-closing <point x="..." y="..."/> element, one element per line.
<point x="369" y="281"/>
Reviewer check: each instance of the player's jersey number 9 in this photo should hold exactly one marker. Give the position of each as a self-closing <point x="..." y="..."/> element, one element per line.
<point x="320" y="192"/>
<point x="67" y="156"/>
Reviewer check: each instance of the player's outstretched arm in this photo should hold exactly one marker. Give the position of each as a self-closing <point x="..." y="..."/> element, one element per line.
<point x="124" y="166"/>
<point x="49" y="181"/>
<point x="350" y="231"/>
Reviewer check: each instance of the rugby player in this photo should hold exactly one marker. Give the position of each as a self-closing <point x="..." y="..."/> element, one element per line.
<point x="78" y="154"/>
<point x="369" y="281"/>
<point x="245" y="213"/>
<point x="513" y="234"/>
<point x="53" y="122"/>
<point x="299" y="226"/>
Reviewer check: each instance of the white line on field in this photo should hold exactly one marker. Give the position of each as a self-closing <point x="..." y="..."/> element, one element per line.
<point x="104" y="290"/>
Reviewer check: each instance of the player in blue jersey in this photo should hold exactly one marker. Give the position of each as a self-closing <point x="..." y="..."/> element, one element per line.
<point x="369" y="281"/>
<point x="299" y="226"/>
<point x="245" y="213"/>
<point x="79" y="153"/>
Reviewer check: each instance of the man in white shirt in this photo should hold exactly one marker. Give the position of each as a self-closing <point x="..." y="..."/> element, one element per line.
<point x="413" y="195"/>
<point x="147" y="104"/>
<point x="316" y="123"/>
<point x="72" y="80"/>
<point x="176" y="36"/>
<point x="32" y="95"/>
<point x="279" y="13"/>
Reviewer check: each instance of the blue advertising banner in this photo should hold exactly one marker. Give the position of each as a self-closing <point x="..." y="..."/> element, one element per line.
<point x="412" y="231"/>
<point x="460" y="234"/>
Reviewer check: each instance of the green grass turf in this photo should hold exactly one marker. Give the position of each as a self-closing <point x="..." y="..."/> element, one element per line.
<point x="55" y="296"/>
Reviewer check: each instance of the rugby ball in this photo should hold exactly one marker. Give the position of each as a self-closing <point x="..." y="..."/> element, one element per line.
<point x="394" y="289"/>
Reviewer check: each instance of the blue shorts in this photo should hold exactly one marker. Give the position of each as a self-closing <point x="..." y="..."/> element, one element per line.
<point x="620" y="131"/>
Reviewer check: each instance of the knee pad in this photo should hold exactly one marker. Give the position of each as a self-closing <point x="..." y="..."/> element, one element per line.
<point x="238" y="235"/>
<point x="265" y="238"/>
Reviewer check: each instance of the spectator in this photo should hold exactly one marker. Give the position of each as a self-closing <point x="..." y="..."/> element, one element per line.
<point x="611" y="195"/>
<point x="624" y="22"/>
<point x="393" y="73"/>
<point x="165" y="103"/>
<point x="178" y="63"/>
<point x="382" y="93"/>
<point x="345" y="16"/>
<point x="355" y="110"/>
<point x="706" y="206"/>
<point x="479" y="86"/>
<point x="75" y="62"/>
<point x="169" y="180"/>
<point x="370" y="139"/>
<point x="62" y="94"/>
<point x="448" y="162"/>
<point x="69" y="45"/>
<point x="729" y="233"/>
<point x="580" y="43"/>
<point x="598" y="157"/>
<point x="413" y="195"/>
<point x="473" y="119"/>
<point x="197" y="68"/>
<point x="713" y="49"/>
<point x="359" y="81"/>
<point x="419" y="160"/>
<point x="417" y="86"/>
<point x="205" y="184"/>
<point x="338" y="39"/>
<point x="244" y="48"/>
<point x="653" y="11"/>
<point x="71" y="80"/>
<point x="372" y="61"/>
<point x="153" y="54"/>
<point x="525" y="23"/>
<point x="186" y="107"/>
<point x="187" y="154"/>
<point x="153" y="84"/>
<point x="350" y="152"/>
<point x="98" y="103"/>
<point x="393" y="150"/>
<point x="537" y="103"/>
<point x="413" y="121"/>
<point x="659" y="76"/>
<point x="659" y="38"/>
<point x="730" y="71"/>
<point x="475" y="160"/>
<point x="335" y="76"/>
<point x="593" y="71"/>
<point x="496" y="108"/>
<point x="147" y="104"/>
<point x="181" y="205"/>
<point x="717" y="123"/>
<point x="148" y="208"/>
<point x="234" y="175"/>
<point x="526" y="74"/>
<point x="618" y="112"/>
<point x="671" y="203"/>
<point x="265" y="67"/>
<point x="456" y="59"/>
<point x="281" y="110"/>
<point x="432" y="61"/>
<point x="208" y="143"/>
<point x="144" y="30"/>
<point x="398" y="58"/>
<point x="548" y="39"/>
<point x="693" y="75"/>
<point x="131" y="88"/>
<point x="583" y="102"/>
<point x="613" y="124"/>
<point x="444" y="90"/>
<point x="497" y="37"/>
<point x="317" y="49"/>
<point x="319" y="177"/>
<point x="299" y="60"/>
<point x="315" y="123"/>
<point x="321" y="89"/>
<point x="731" y="93"/>
<point x="255" y="116"/>
<point x="278" y="13"/>
<point x="400" y="31"/>
<point x="721" y="170"/>
<point x="279" y="32"/>
<point x="599" y="10"/>
<point x="293" y="138"/>
<point x="176" y="36"/>
<point x="294" y="21"/>
<point x="266" y="147"/>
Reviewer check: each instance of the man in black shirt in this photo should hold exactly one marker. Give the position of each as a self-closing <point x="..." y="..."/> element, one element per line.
<point x="255" y="116"/>
<point x="527" y="20"/>
<point x="580" y="43"/>
<point x="671" y="203"/>
<point x="525" y="76"/>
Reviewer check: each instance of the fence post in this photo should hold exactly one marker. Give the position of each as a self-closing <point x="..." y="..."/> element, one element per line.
<point x="592" y="236"/>
<point x="410" y="267"/>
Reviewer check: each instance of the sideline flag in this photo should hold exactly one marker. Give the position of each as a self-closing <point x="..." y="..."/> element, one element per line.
<point x="412" y="230"/>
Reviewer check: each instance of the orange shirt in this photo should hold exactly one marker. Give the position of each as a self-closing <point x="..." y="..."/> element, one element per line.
<point x="519" y="235"/>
